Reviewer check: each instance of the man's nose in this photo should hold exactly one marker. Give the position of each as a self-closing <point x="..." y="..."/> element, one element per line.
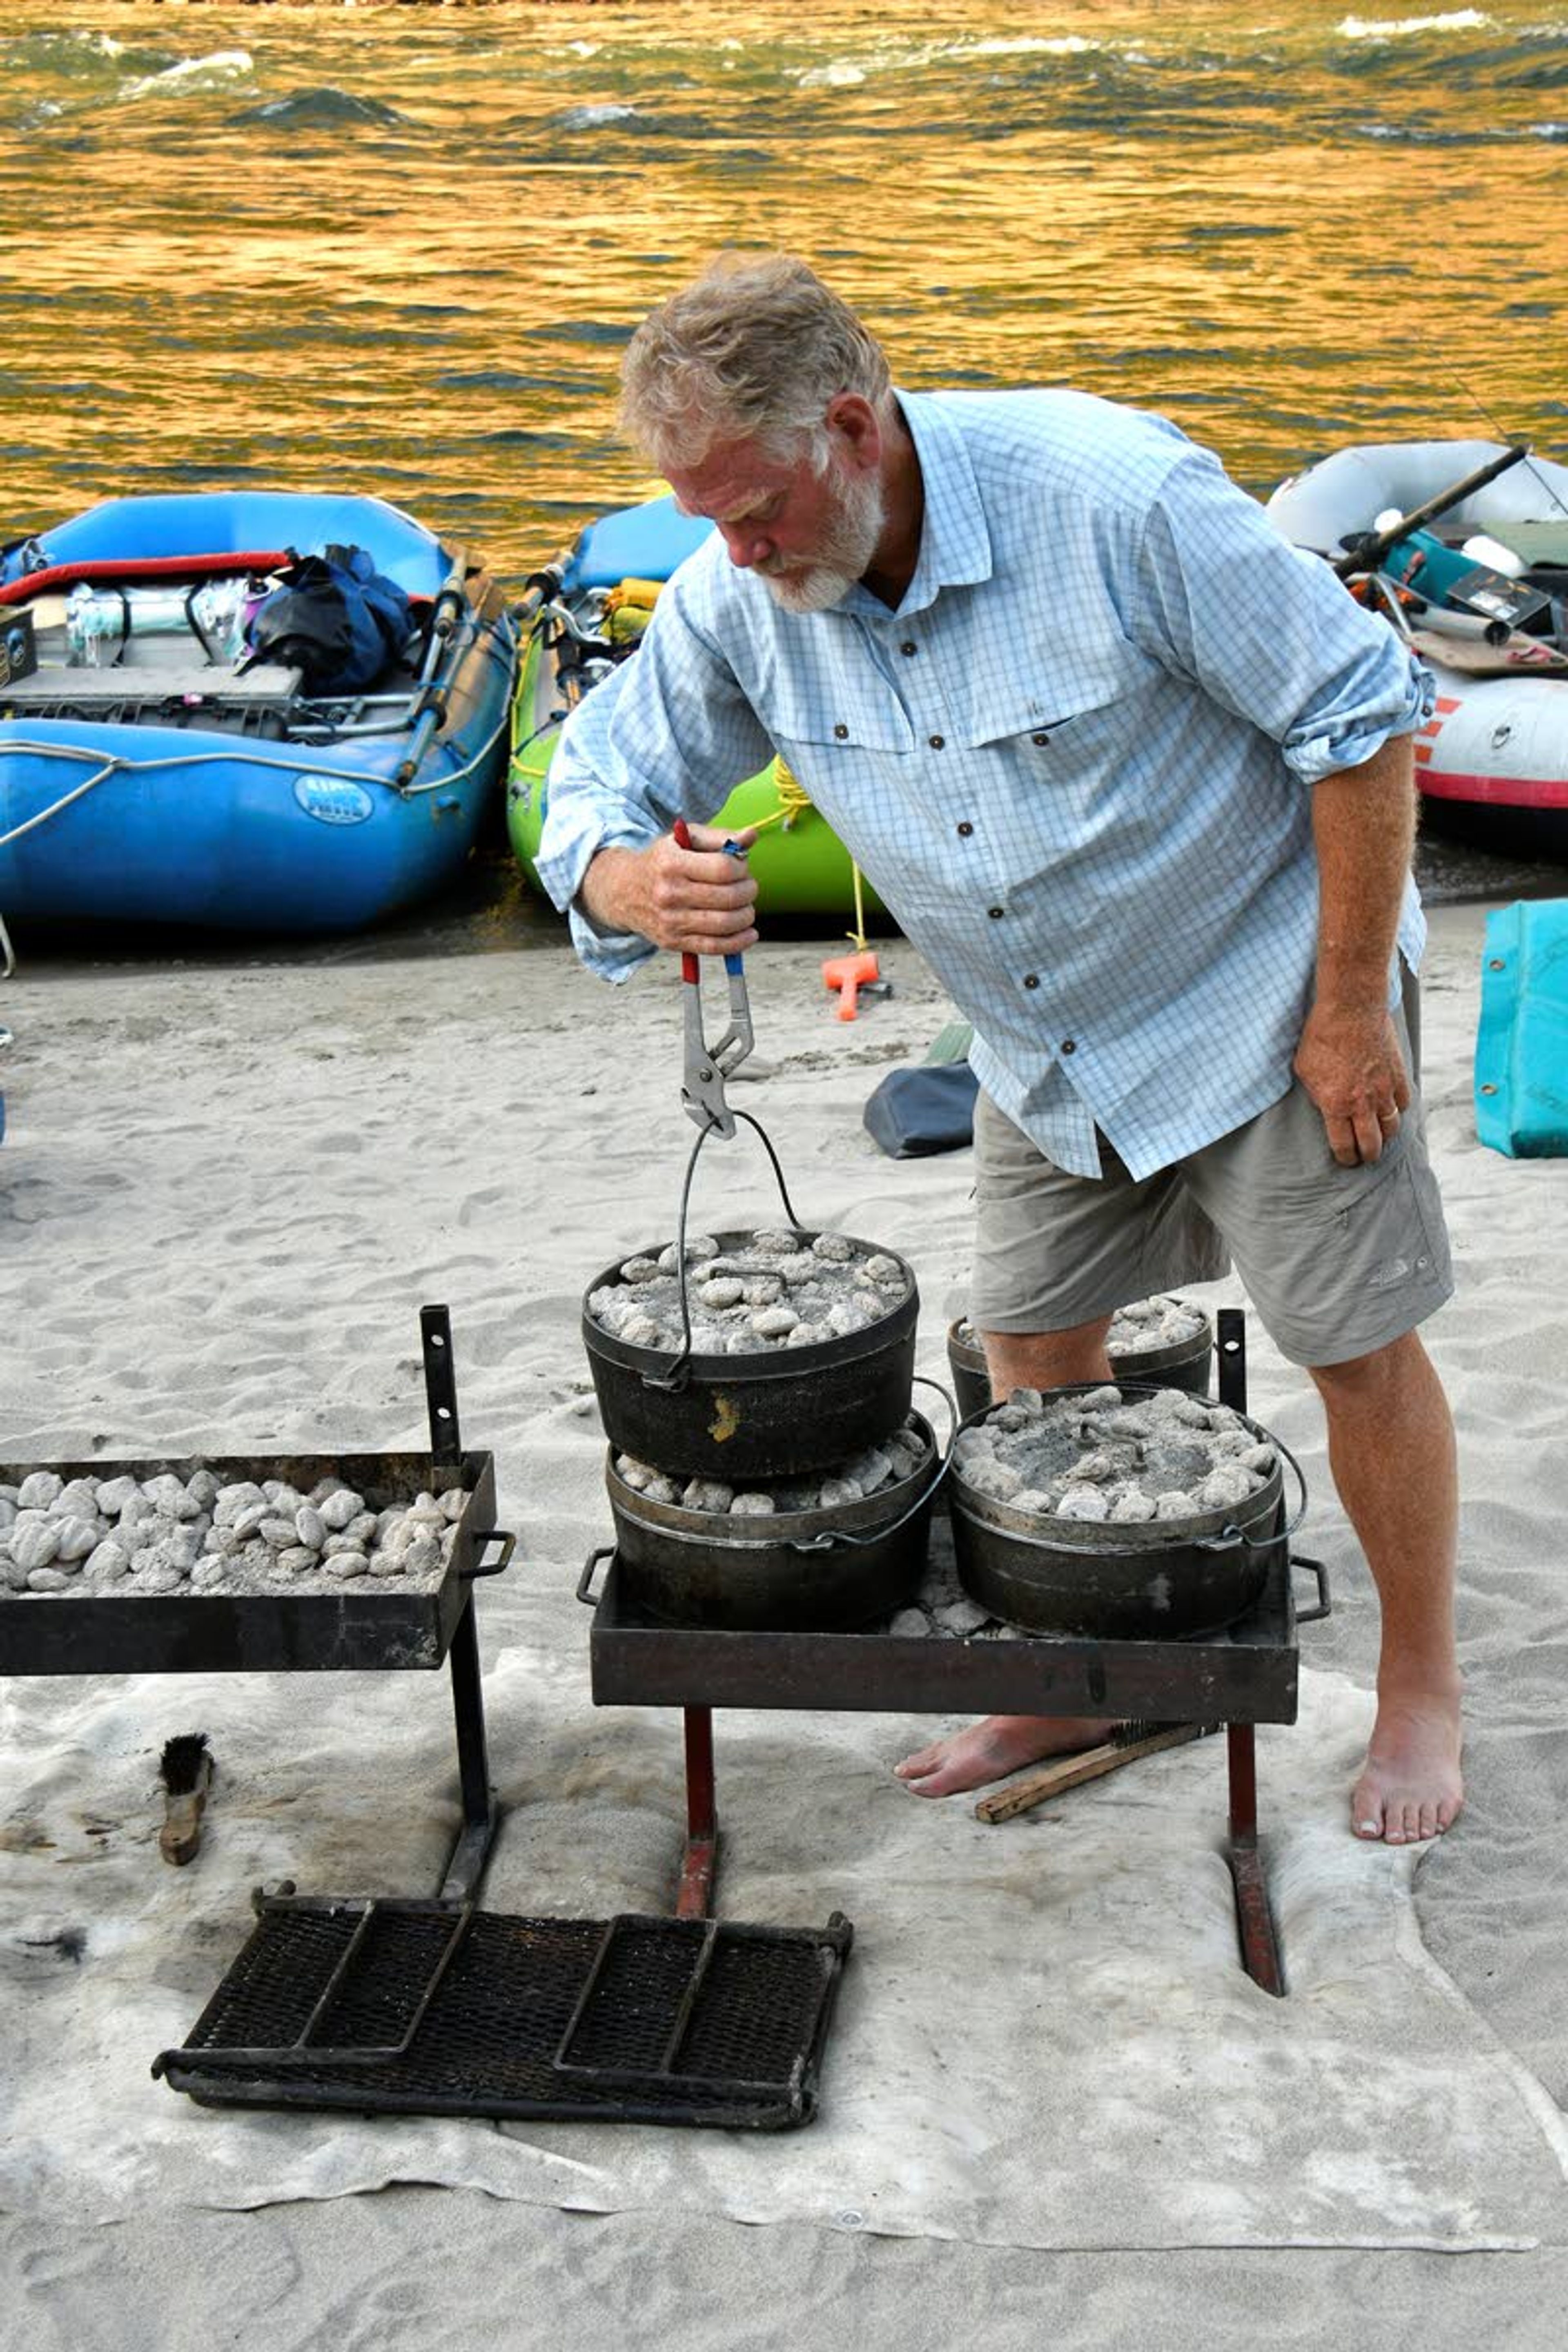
<point x="745" y="544"/>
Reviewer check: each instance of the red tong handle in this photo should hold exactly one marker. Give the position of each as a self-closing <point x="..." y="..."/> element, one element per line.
<point x="689" y="969"/>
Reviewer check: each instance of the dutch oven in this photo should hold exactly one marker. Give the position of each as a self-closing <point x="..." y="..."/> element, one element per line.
<point x="1184" y="1364"/>
<point x="764" y="1414"/>
<point x="791" y="1571"/>
<point x="1162" y="1580"/>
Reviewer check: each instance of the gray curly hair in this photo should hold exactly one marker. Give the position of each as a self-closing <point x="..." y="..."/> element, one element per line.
<point x="755" y="347"/>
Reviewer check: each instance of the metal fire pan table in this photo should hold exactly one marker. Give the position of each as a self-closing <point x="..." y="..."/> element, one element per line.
<point x="1248" y="1673"/>
<point x="1242" y="1676"/>
<point x="416" y="1624"/>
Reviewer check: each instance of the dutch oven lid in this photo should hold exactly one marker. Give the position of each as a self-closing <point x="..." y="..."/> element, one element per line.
<point x="1056" y="1532"/>
<point x="762" y="1363"/>
<point x="1131" y="1357"/>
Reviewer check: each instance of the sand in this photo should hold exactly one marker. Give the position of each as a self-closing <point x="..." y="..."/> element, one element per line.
<point x="226" y="1191"/>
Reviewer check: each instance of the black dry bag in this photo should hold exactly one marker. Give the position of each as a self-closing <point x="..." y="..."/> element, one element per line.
<point x="334" y="618"/>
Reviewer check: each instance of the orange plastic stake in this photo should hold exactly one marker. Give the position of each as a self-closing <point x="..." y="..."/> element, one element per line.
<point x="849" y="974"/>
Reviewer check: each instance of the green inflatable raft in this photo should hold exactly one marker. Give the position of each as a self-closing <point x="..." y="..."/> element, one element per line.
<point x="588" y="612"/>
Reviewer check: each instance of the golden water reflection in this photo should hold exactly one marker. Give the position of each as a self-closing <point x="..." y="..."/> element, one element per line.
<point x="1281" y="234"/>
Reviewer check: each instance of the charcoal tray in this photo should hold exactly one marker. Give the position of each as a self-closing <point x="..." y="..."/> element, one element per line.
<point x="418" y="2008"/>
<point x="117" y="1631"/>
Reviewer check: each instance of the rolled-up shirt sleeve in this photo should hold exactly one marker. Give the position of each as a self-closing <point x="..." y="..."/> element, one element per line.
<point x="668" y="734"/>
<point x="1266" y="628"/>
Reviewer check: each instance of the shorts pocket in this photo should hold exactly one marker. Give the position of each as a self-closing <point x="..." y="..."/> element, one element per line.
<point x="1390" y="1237"/>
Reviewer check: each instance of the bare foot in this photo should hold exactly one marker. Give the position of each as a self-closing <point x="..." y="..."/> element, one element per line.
<point x="1411" y="1787"/>
<point x="990" y="1750"/>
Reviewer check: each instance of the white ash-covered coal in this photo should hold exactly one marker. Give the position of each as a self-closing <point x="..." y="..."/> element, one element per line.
<point x="943" y="1607"/>
<point x="867" y="1473"/>
<point x="168" y="1534"/>
<point x="1139" y="1330"/>
<point x="759" y="1292"/>
<point x="1096" y="1454"/>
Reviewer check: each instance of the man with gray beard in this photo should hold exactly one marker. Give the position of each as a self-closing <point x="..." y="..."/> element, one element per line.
<point x="1135" y="776"/>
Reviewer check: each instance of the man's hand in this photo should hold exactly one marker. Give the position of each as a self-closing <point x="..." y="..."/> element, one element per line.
<point x="1350" y="1063"/>
<point x="698" y="899"/>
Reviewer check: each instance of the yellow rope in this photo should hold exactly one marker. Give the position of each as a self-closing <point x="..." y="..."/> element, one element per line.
<point x="858" y="936"/>
<point x="794" y="799"/>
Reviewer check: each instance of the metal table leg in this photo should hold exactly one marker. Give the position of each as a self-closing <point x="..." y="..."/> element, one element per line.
<point x="700" y="1857"/>
<point x="1254" y="1919"/>
<point x="466" y="1863"/>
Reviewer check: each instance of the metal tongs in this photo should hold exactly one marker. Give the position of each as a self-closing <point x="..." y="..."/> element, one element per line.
<point x="707" y="1067"/>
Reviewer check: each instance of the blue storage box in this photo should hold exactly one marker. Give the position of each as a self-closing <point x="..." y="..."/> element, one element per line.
<point x="1522" y="1046"/>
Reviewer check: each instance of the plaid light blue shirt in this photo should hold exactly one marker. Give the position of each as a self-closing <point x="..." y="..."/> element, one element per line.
<point x="1075" y="762"/>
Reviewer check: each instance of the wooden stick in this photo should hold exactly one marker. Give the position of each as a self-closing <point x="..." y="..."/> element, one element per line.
<point x="1032" y="1788"/>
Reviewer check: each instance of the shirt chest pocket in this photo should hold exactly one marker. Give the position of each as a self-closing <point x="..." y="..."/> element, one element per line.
<point x="861" y="718"/>
<point x="1066" y="734"/>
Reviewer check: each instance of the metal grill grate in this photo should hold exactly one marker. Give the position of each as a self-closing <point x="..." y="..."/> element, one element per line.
<point x="422" y="2008"/>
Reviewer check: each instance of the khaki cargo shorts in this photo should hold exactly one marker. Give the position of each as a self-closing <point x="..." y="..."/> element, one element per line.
<point x="1336" y="1261"/>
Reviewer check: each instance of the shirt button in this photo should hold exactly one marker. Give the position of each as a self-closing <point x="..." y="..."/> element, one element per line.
<point x="995" y="913"/>
<point x="1040" y="738"/>
<point x="965" y="829"/>
<point x="909" y="647"/>
<point x="1069" y="1045"/>
<point x="936" y="741"/>
<point x="842" y="732"/>
<point x="1031" y="980"/>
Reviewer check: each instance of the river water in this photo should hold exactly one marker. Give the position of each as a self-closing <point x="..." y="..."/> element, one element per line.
<point x="399" y="248"/>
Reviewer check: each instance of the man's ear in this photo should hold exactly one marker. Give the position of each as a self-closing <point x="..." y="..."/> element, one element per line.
<point x="856" y="423"/>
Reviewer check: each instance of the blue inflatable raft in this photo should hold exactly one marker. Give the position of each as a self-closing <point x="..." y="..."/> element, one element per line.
<point x="161" y="761"/>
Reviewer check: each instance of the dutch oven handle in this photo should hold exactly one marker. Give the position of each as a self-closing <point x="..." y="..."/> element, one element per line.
<point x="585" y="1581"/>
<point x="944" y="1462"/>
<point x="679" y="1371"/>
<point x="1230" y="1537"/>
<point x="1325" y="1599"/>
<point x="952" y="1421"/>
<point x="507" y="1542"/>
